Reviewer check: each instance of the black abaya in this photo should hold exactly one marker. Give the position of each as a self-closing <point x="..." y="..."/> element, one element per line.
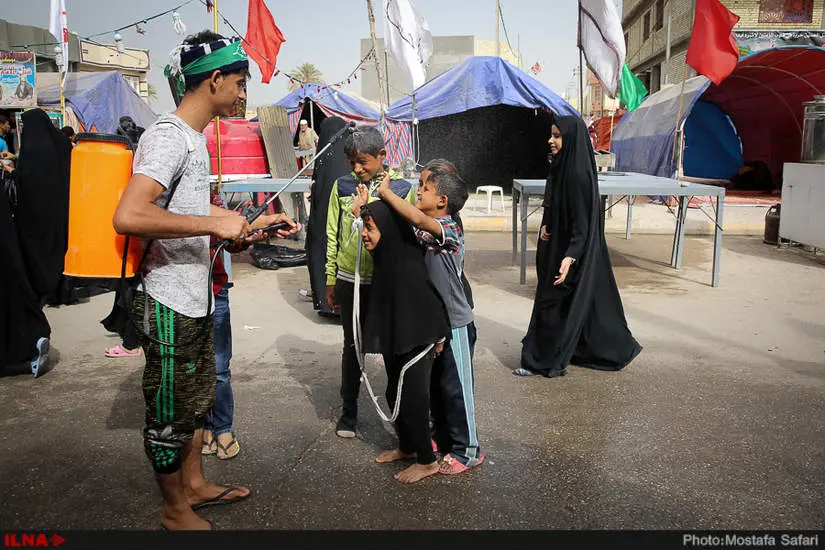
<point x="33" y="245"/>
<point x="329" y="167"/>
<point x="406" y="311"/>
<point x="580" y="321"/>
<point x="22" y="321"/>
<point x="42" y="214"/>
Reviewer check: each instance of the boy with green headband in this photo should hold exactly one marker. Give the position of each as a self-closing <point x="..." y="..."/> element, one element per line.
<point x="167" y="202"/>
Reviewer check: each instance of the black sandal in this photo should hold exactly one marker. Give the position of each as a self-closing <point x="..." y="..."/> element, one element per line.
<point x="219" y="500"/>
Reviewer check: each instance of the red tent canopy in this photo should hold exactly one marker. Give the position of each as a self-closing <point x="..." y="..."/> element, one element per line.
<point x="604" y="129"/>
<point x="763" y="98"/>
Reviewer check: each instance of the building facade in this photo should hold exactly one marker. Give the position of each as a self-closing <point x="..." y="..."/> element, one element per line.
<point x="448" y="51"/>
<point x="84" y="55"/>
<point x="597" y="103"/>
<point x="657" y="32"/>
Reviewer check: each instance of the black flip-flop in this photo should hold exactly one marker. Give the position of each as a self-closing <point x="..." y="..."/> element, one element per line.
<point x="219" y="500"/>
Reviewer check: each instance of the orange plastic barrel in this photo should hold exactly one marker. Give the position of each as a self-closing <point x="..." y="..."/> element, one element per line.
<point x="100" y="170"/>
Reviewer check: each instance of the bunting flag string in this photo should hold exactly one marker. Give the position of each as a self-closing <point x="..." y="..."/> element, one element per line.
<point x="136" y="25"/>
<point x="352" y="75"/>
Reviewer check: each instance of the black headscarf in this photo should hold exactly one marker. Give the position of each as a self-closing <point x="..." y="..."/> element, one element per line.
<point x="406" y="311"/>
<point x="580" y="321"/>
<point x="42" y="213"/>
<point x="328" y="167"/>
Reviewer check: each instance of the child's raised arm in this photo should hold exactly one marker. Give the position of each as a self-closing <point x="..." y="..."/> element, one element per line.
<point x="409" y="212"/>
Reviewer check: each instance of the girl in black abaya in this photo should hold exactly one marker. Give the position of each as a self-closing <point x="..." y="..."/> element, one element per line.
<point x="406" y="317"/>
<point x="578" y="316"/>
<point x="328" y="168"/>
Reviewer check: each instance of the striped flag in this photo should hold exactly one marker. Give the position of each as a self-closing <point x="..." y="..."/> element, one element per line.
<point x="602" y="40"/>
<point x="408" y="40"/>
<point x="60" y="29"/>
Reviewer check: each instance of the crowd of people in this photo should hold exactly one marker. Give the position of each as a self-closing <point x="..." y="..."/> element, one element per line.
<point x="383" y="251"/>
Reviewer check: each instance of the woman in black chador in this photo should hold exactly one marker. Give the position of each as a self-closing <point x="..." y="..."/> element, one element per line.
<point x="328" y="168"/>
<point x="33" y="242"/>
<point x="577" y="316"/>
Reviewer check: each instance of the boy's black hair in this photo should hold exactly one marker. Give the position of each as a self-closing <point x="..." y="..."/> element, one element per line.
<point x="366" y="213"/>
<point x="440" y="166"/>
<point x="451" y="185"/>
<point x="4" y="118"/>
<point x="205" y="37"/>
<point x="366" y="140"/>
<point x="68" y="131"/>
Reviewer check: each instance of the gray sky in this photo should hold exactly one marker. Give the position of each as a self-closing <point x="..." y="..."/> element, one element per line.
<point x="326" y="33"/>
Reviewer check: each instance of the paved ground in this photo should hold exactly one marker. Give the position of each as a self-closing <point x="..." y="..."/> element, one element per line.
<point x="738" y="219"/>
<point x="718" y="424"/>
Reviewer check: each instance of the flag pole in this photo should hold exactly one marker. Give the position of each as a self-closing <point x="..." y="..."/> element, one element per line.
<point x="387" y="80"/>
<point x="612" y="113"/>
<point x="679" y="118"/>
<point x="217" y="118"/>
<point x="374" y="41"/>
<point x="498" y="26"/>
<point x="63" y="96"/>
<point x="581" y="62"/>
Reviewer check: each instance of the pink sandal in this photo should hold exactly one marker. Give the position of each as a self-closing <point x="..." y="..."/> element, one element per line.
<point x="451" y="466"/>
<point x="118" y="351"/>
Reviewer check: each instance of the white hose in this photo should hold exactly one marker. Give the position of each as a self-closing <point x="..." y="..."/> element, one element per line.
<point x="357" y="226"/>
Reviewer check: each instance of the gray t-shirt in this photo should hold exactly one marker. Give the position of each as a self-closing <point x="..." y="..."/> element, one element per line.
<point x="177" y="270"/>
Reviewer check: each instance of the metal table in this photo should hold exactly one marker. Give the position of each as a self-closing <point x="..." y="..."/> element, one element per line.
<point x="255" y="183"/>
<point x="629" y="185"/>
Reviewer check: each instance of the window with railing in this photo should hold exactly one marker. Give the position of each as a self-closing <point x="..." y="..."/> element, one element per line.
<point x="660" y="15"/>
<point x="646" y="27"/>
<point x="786" y="11"/>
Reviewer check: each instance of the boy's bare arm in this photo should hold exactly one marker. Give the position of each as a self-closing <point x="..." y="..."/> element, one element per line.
<point x="218" y="212"/>
<point x="137" y="214"/>
<point x="409" y="212"/>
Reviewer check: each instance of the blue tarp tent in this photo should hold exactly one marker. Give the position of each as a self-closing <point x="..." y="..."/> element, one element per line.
<point x="758" y="106"/>
<point x="481" y="81"/>
<point x="315" y="102"/>
<point x="643" y="139"/>
<point x="98" y="100"/>
<point x="712" y="148"/>
<point x="332" y="102"/>
<point x="490" y="118"/>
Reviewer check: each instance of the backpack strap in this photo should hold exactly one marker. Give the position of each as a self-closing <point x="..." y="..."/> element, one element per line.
<point x="139" y="282"/>
<point x="172" y="188"/>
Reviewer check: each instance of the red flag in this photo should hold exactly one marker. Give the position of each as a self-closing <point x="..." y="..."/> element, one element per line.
<point x="712" y="50"/>
<point x="263" y="39"/>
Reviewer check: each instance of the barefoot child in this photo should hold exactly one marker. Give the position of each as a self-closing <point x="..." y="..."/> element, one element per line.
<point x="441" y="195"/>
<point x="407" y="321"/>
<point x="366" y="152"/>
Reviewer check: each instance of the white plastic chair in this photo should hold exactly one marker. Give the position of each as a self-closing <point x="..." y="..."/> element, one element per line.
<point x="490" y="189"/>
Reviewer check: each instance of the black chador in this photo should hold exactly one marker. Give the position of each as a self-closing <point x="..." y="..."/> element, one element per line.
<point x="328" y="167"/>
<point x="580" y="321"/>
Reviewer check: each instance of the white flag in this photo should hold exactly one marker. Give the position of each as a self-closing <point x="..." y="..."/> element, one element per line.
<point x="602" y="40"/>
<point x="60" y="29"/>
<point x="408" y="40"/>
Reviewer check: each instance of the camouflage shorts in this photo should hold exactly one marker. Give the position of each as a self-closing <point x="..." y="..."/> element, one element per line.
<point x="178" y="381"/>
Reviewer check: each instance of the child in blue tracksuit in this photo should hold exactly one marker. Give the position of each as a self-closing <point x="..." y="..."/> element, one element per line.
<point x="441" y="195"/>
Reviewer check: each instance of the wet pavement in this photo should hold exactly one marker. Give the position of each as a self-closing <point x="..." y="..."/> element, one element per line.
<point x="718" y="424"/>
